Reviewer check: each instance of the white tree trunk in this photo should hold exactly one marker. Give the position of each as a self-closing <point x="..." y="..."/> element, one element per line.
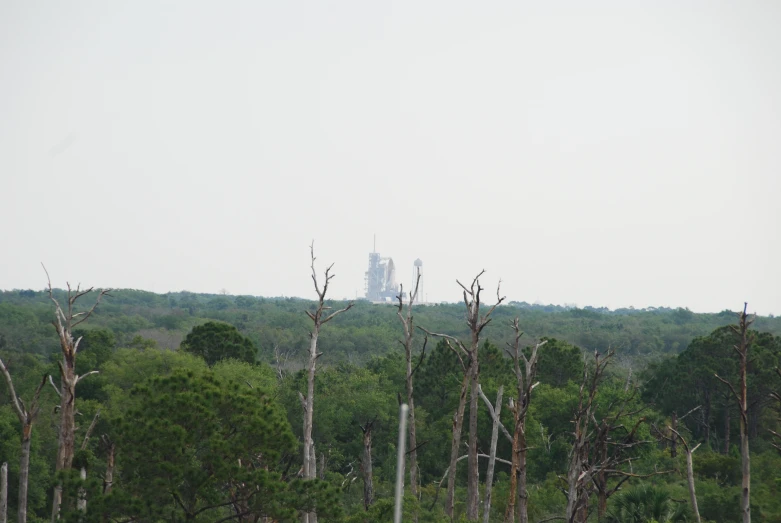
<point x="690" y="480"/>
<point x="81" y="503"/>
<point x="489" y="475"/>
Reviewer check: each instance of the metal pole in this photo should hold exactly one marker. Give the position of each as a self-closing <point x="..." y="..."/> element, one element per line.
<point x="400" y="457"/>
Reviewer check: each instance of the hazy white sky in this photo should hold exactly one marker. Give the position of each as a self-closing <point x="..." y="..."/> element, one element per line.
<point x="597" y="153"/>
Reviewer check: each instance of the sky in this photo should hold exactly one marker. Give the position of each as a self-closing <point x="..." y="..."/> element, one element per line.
<point x="587" y="153"/>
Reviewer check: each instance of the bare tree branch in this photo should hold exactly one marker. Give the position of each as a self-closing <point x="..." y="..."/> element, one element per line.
<point x="90" y="373"/>
<point x="492" y="413"/>
<point x="55" y="386"/>
<point x="20" y="411"/>
<point x="89" y="430"/>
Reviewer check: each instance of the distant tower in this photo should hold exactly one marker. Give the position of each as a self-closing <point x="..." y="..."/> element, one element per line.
<point x="417" y="268"/>
<point x="380" y="278"/>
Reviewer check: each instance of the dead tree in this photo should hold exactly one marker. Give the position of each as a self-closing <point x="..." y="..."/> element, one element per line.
<point x="741" y="348"/>
<point x="366" y="464"/>
<point x="65" y="320"/>
<point x="407" y="323"/>
<point x="612" y="440"/>
<point x="601" y="448"/>
<point x="468" y="356"/>
<point x="319" y="317"/>
<point x="110" y="449"/>
<point x="689" y="471"/>
<point x="26" y="418"/>
<point x="81" y="502"/>
<point x="489" y="474"/>
<point x="580" y="470"/>
<point x="525" y="379"/>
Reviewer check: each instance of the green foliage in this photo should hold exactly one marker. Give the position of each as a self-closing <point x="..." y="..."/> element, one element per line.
<point x="647" y="503"/>
<point x="191" y="443"/>
<point x="558" y="363"/>
<point x="184" y="420"/>
<point x="215" y="341"/>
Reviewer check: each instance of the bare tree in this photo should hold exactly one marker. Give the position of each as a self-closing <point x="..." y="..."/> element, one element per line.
<point x="110" y="448"/>
<point x="319" y="317"/>
<point x="407" y="323"/>
<point x="280" y="360"/>
<point x="689" y="471"/>
<point x="602" y="448"/>
<point x="366" y="464"/>
<point x="65" y="321"/>
<point x="741" y="397"/>
<point x="81" y="502"/>
<point x="468" y="357"/>
<point x="580" y="470"/>
<point x="26" y="418"/>
<point x="611" y="441"/>
<point x="525" y="379"/>
<point x="496" y="412"/>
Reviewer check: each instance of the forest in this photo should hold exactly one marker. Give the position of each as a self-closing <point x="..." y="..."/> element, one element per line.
<point x="131" y="406"/>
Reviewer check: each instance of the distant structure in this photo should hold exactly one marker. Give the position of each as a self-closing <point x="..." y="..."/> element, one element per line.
<point x="417" y="268"/>
<point x="380" y="278"/>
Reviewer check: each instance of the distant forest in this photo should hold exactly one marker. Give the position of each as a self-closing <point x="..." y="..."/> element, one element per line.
<point x="182" y="407"/>
<point x="369" y="330"/>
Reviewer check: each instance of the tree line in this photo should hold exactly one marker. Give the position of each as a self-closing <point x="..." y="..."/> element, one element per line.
<point x="503" y="425"/>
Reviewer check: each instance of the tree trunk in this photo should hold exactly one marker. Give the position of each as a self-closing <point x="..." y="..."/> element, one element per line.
<point x="413" y="441"/>
<point x="24" y="473"/>
<point x="523" y="493"/>
<point x="318" y="319"/>
<point x="744" y="342"/>
<point x="81" y="503"/>
<point x="473" y="470"/>
<point x="108" y="479"/>
<point x="725" y="448"/>
<point x="308" y="404"/>
<point x="4" y="493"/>
<point x="690" y="481"/>
<point x="745" y="458"/>
<point x="407" y="324"/>
<point x="489" y="475"/>
<point x="601" y="477"/>
<point x="673" y="440"/>
<point x="366" y="466"/>
<point x="572" y="486"/>
<point x="67" y="437"/>
<point x="458" y="423"/>
<point x="745" y="500"/>
<point x="515" y="467"/>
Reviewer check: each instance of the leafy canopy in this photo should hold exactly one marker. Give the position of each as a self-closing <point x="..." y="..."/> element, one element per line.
<point x="215" y="341"/>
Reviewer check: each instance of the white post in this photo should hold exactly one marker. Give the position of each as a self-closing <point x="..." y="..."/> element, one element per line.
<point x="400" y="458"/>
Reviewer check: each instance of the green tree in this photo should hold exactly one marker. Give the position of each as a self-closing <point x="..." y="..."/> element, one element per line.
<point x="647" y="504"/>
<point x="199" y="448"/>
<point x="215" y="341"/>
<point x="559" y="363"/>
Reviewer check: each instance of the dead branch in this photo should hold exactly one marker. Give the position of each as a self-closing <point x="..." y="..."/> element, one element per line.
<point x="21" y="413"/>
<point x="54" y="386"/>
<point x="89" y="430"/>
<point x="79" y="378"/>
<point x="492" y="413"/>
